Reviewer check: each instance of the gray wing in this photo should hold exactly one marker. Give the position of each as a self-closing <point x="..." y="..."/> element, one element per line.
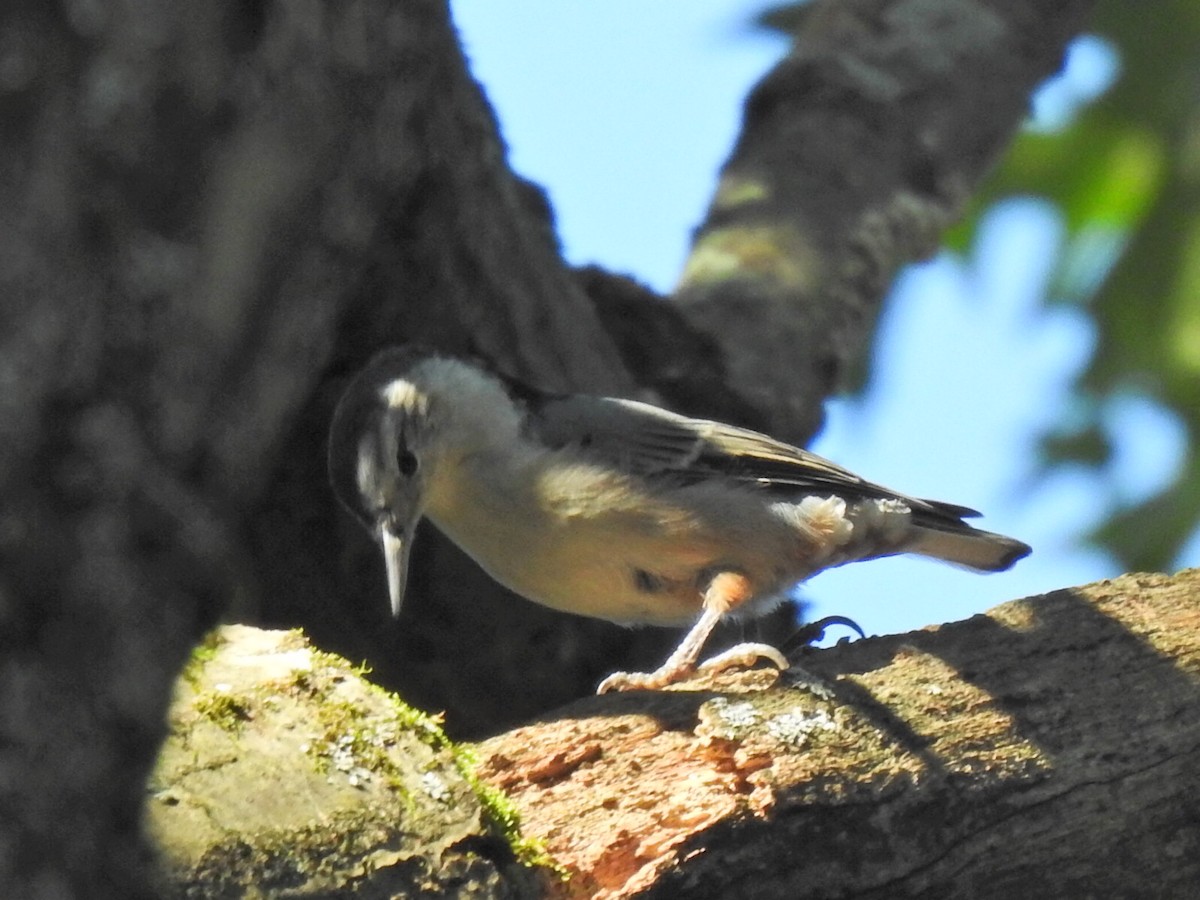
<point x="654" y="442"/>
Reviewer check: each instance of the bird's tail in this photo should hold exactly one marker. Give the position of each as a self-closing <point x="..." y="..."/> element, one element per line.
<point x="984" y="551"/>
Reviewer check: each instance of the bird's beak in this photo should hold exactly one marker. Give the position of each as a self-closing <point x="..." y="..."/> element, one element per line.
<point x="396" y="546"/>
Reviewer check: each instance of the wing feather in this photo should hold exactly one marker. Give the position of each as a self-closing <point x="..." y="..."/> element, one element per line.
<point x="655" y="443"/>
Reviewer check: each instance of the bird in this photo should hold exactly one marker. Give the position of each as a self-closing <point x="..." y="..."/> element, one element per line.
<point x="615" y="508"/>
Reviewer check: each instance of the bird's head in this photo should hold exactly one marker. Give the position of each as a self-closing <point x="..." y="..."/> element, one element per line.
<point x="383" y="445"/>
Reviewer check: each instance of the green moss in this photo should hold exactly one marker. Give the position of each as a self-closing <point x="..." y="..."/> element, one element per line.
<point x="782" y="254"/>
<point x="504" y="819"/>
<point x="354" y="743"/>
<point x="202" y="654"/>
<point x="301" y="682"/>
<point x="500" y="814"/>
<point x="226" y="711"/>
<point x="733" y="191"/>
<point x="359" y="743"/>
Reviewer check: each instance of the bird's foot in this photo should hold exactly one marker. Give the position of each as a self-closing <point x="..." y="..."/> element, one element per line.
<point x="811" y="632"/>
<point x="740" y="656"/>
<point x="743" y="656"/>
<point x="642" y="681"/>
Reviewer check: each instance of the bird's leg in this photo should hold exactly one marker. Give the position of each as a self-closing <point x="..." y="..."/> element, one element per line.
<point x="726" y="591"/>
<point x="678" y="664"/>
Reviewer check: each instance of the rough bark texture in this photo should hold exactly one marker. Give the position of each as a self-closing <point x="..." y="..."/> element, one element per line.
<point x="856" y="152"/>
<point x="286" y="773"/>
<point x="201" y="212"/>
<point x="1050" y="748"/>
<point x="210" y="214"/>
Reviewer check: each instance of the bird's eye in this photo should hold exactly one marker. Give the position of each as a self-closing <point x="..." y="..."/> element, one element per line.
<point x="406" y="462"/>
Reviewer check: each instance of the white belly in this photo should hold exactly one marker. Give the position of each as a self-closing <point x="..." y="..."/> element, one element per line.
<point x="600" y="548"/>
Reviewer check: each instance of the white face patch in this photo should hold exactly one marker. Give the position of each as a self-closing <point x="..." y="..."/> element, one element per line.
<point x="366" y="473"/>
<point x="402" y="394"/>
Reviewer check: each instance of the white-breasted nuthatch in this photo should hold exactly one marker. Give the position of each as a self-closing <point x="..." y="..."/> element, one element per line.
<point x="613" y="508"/>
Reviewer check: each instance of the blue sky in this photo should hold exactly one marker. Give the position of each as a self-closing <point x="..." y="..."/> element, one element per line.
<point x="624" y="112"/>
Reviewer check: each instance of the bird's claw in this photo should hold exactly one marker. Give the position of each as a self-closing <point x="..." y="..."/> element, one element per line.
<point x="638" y="681"/>
<point x="740" y="656"/>
<point x="744" y="656"/>
<point x="811" y="632"/>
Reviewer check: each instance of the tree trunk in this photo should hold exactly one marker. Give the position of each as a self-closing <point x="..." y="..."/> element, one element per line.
<point x="210" y="214"/>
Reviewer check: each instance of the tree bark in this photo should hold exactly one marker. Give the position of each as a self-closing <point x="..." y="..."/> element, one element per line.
<point x="1050" y="748"/>
<point x="210" y="214"/>
<point x="856" y="152"/>
<point x="287" y="773"/>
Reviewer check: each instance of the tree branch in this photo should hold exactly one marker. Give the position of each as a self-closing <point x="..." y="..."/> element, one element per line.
<point x="1049" y="748"/>
<point x="860" y="147"/>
